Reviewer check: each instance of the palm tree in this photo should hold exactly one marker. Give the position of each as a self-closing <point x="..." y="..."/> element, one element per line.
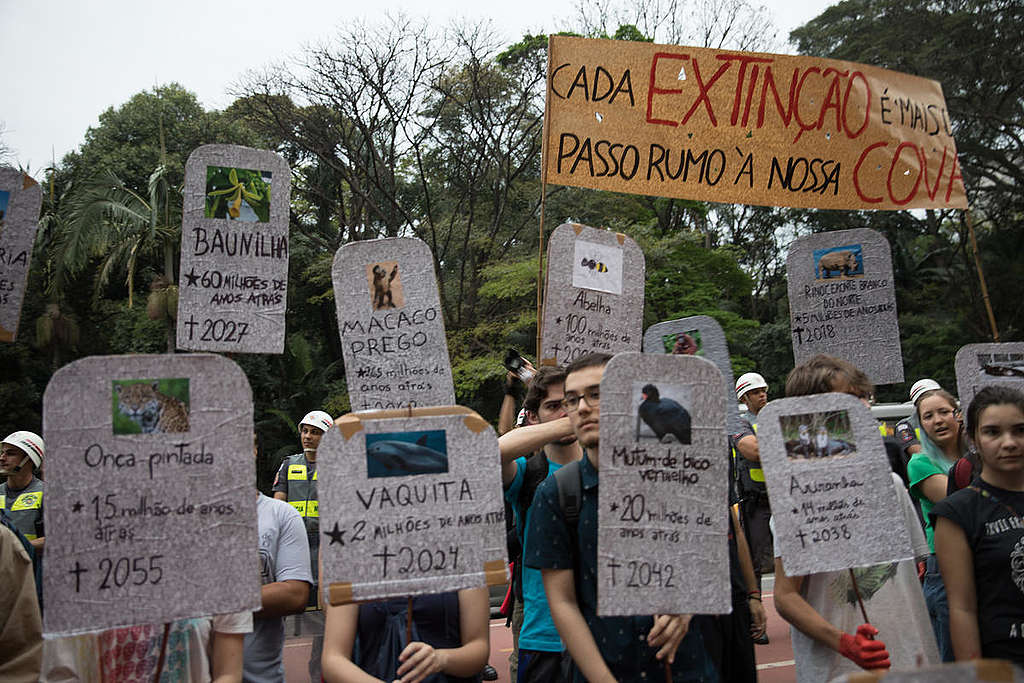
<point x="110" y="221"/>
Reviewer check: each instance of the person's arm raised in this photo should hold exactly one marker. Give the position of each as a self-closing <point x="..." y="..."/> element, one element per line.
<point x="525" y="440"/>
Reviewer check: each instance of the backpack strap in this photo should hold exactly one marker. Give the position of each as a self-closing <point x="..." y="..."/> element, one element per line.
<point x="570" y="499"/>
<point x="536" y="472"/>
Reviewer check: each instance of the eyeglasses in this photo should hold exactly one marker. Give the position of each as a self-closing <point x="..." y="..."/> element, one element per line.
<point x="571" y="402"/>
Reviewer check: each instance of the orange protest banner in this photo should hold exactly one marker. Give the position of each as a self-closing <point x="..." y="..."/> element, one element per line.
<point x="746" y="127"/>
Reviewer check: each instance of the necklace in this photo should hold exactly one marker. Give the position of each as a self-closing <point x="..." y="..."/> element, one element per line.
<point x="987" y="494"/>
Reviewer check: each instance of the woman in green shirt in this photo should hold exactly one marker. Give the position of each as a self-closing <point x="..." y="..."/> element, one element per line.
<point x="942" y="443"/>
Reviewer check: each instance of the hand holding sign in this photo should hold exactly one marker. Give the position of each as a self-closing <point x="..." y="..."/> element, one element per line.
<point x="663" y="487"/>
<point x="594" y="298"/>
<point x="234" y="251"/>
<point x="830" y="485"/>
<point x="410" y="504"/>
<point x="150" y="481"/>
<point x="20" y="201"/>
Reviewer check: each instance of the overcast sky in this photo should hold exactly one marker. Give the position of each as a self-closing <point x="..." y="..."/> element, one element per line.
<point x="70" y="60"/>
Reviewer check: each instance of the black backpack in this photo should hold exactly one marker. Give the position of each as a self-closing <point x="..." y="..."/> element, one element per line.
<point x="536" y="472"/>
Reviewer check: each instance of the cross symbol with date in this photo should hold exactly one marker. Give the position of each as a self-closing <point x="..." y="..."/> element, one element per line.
<point x="77" y="571"/>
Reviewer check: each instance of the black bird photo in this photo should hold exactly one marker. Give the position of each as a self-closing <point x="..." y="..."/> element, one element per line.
<point x="663" y="415"/>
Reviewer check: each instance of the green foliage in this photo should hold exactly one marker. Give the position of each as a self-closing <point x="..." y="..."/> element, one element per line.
<point x="509" y="281"/>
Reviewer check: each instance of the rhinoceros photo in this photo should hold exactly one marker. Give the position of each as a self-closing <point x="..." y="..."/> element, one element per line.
<point x="836" y="263"/>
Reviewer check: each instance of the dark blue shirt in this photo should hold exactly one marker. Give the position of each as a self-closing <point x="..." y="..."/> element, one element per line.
<point x="622" y="641"/>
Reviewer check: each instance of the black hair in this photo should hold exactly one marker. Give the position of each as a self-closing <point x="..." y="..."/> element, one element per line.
<point x="591" y="360"/>
<point x="991" y="396"/>
<point x="537" y="390"/>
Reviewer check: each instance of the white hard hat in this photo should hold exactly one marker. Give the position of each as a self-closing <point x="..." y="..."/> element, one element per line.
<point x="31" y="443"/>
<point x="921" y="386"/>
<point x="318" y="419"/>
<point x="749" y="381"/>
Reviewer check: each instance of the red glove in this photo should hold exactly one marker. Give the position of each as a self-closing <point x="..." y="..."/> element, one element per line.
<point x="863" y="650"/>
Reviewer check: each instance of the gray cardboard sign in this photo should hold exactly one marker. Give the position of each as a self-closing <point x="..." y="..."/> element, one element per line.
<point x="830" y="485"/>
<point x="391" y="325"/>
<point x="701" y="336"/>
<point x="20" y="201"/>
<point x="150" y="492"/>
<point x="980" y="365"/>
<point x="594" y="298"/>
<point x="663" y="509"/>
<point x="234" y="251"/>
<point x="410" y="504"/>
<point x="842" y="301"/>
<point x="979" y="670"/>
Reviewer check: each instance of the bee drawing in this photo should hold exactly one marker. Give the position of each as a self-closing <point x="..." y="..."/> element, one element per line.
<point x="594" y="265"/>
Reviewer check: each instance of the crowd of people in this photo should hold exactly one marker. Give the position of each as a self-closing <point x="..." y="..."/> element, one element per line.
<point x="958" y="475"/>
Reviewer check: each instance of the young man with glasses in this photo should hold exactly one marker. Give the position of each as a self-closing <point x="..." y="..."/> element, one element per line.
<point x="549" y="442"/>
<point x="603" y="649"/>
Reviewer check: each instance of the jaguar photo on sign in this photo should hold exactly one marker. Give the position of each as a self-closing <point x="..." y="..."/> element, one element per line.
<point x="151" y="512"/>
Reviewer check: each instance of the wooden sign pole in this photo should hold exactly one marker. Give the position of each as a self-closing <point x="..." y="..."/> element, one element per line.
<point x="981" y="275"/>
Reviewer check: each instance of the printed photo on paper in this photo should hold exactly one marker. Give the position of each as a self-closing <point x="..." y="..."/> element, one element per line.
<point x="400" y="454"/>
<point x="150" y="406"/>
<point x="818" y="435"/>
<point x="238" y="194"/>
<point x="597" y="266"/>
<point x="385" y="285"/>
<point x="662" y="411"/>
<point x="838" y="263"/>
<point x="683" y="343"/>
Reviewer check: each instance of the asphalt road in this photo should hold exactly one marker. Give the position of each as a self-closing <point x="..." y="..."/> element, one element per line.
<point x="774" y="661"/>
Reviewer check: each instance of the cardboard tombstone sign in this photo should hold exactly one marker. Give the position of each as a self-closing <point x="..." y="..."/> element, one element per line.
<point x="830" y="484"/>
<point x="594" y="298"/>
<point x="150" y="492"/>
<point x="701" y="336"/>
<point x="391" y="325"/>
<point x="234" y="251"/>
<point x="981" y="365"/>
<point x="410" y="504"/>
<point x="980" y="670"/>
<point x="663" y="517"/>
<point x="842" y="301"/>
<point x="20" y="201"/>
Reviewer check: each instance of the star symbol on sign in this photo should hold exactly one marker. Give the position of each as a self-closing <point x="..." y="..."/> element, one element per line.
<point x="337" y="535"/>
<point x="615" y="506"/>
<point x="192" y="277"/>
<point x="77" y="507"/>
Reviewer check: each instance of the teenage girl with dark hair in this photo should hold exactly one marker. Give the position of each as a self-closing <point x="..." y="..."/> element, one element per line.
<point x="979" y="534"/>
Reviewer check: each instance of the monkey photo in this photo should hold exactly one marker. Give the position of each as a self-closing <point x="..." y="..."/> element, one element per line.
<point x="385" y="285"/>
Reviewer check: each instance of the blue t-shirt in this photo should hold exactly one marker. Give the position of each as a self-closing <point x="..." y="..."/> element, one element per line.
<point x="538" y="631"/>
<point x="622" y="641"/>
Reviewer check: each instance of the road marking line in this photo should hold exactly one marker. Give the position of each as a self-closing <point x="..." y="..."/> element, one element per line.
<point x="776" y="665"/>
